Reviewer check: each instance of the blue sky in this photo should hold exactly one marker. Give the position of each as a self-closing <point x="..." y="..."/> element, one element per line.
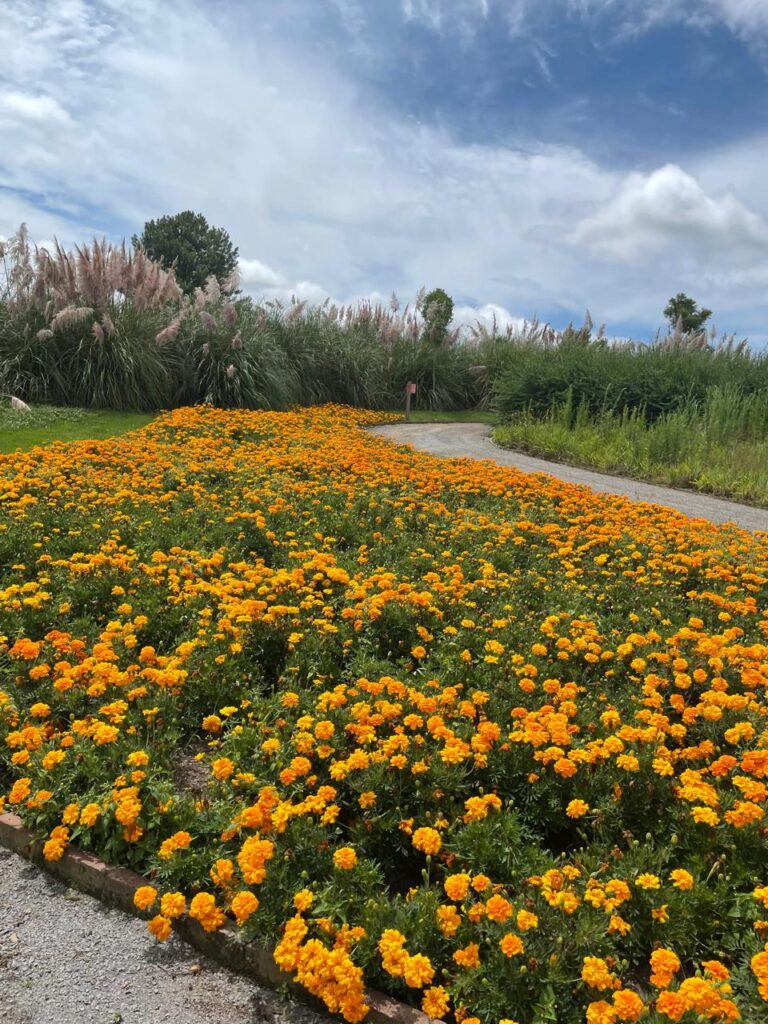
<point x="533" y="157"/>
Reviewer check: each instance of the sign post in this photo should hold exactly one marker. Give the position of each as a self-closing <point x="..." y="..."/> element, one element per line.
<point x="410" y="389"/>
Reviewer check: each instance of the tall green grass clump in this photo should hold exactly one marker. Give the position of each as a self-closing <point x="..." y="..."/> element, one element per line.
<point x="718" y="445"/>
<point x="602" y="376"/>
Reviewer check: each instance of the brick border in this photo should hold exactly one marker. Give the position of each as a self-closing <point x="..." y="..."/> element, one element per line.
<point x="116" y="886"/>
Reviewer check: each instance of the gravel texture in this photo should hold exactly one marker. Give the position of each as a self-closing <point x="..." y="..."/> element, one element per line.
<point x="472" y="440"/>
<point x="67" y="959"/>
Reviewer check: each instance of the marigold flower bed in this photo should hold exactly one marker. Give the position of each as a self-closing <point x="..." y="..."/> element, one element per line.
<point x="490" y="742"/>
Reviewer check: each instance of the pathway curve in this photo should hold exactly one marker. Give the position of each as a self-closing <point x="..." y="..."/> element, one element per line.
<point x="67" y="959"/>
<point x="472" y="440"/>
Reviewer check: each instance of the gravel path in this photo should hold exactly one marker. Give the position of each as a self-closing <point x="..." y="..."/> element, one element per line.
<point x="472" y="440"/>
<point x="66" y="959"/>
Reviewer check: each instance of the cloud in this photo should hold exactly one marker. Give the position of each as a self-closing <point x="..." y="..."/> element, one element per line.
<point x="22" y="106"/>
<point x="746" y="18"/>
<point x="254" y="273"/>
<point x="329" y="189"/>
<point x="489" y="316"/>
<point x="669" y="208"/>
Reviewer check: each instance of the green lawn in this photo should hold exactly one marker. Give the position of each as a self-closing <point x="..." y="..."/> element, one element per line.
<point x="46" y="423"/>
<point x="463" y="416"/>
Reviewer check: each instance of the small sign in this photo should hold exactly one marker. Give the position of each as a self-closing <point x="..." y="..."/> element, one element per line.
<point x="410" y="388"/>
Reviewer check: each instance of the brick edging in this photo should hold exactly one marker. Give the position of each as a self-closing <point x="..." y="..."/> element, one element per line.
<point x="116" y="886"/>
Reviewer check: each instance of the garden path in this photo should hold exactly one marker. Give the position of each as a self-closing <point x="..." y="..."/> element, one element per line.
<point x="472" y="440"/>
<point x="67" y="959"/>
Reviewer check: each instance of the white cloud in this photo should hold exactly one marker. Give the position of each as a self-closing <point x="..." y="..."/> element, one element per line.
<point x="22" y="106"/>
<point x="489" y="316"/>
<point x="746" y="18"/>
<point x="254" y="273"/>
<point x="666" y="209"/>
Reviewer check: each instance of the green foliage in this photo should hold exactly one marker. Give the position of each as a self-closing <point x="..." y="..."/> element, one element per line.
<point x="659" y="378"/>
<point x="437" y="310"/>
<point x="195" y="249"/>
<point x="43" y="424"/>
<point x="682" y="310"/>
<point x="718" y="445"/>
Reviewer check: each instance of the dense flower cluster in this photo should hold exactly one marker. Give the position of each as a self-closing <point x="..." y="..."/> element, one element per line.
<point x="488" y="741"/>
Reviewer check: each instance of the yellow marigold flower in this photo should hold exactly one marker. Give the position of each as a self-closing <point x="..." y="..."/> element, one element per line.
<point x="53" y="849"/>
<point x="172" y="904"/>
<point x="222" y="872"/>
<point x="90" y="814"/>
<point x="704" y="816"/>
<point x="204" y="910"/>
<point x="596" y="974"/>
<point x="303" y="900"/>
<point x="577" y="808"/>
<point x="243" y="905"/>
<point x="681" y="878"/>
<point x="418" y="971"/>
<point x="20" y="790"/>
<point x="344" y="858"/>
<point x="427" y="840"/>
<point x="178" y="841"/>
<point x="145" y="897"/>
<point x="526" y="920"/>
<point x="435" y="1002"/>
<point x="648" y="881"/>
<point x="71" y="814"/>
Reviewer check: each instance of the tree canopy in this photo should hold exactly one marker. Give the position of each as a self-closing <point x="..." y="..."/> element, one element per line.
<point x="683" y="309"/>
<point x="189" y="244"/>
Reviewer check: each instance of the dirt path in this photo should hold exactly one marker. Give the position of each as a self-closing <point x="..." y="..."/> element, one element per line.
<point x="66" y="959"/>
<point x="472" y="440"/>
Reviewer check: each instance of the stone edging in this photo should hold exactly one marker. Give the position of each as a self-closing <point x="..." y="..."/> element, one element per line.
<point x="116" y="886"/>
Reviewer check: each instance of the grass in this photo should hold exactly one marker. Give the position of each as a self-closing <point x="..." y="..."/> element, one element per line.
<point x="718" y="447"/>
<point x="460" y="416"/>
<point x="44" y="424"/>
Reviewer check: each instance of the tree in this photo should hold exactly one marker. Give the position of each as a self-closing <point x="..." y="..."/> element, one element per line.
<point x="186" y="242"/>
<point x="685" y="311"/>
<point x="437" y="310"/>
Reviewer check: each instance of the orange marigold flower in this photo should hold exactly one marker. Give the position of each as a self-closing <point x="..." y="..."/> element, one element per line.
<point x="664" y="966"/>
<point x="344" y="858"/>
<point x="160" y="927"/>
<point x="204" y="910"/>
<point x="145" y="897"/>
<point x="681" y="878"/>
<point x="577" y="808"/>
<point x="243" y="905"/>
<point x="457" y="887"/>
<point x="435" y="1003"/>
<point x="511" y="945"/>
<point x="427" y="840"/>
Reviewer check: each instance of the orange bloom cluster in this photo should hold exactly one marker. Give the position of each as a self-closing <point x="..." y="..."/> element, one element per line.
<point x="445" y="716"/>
